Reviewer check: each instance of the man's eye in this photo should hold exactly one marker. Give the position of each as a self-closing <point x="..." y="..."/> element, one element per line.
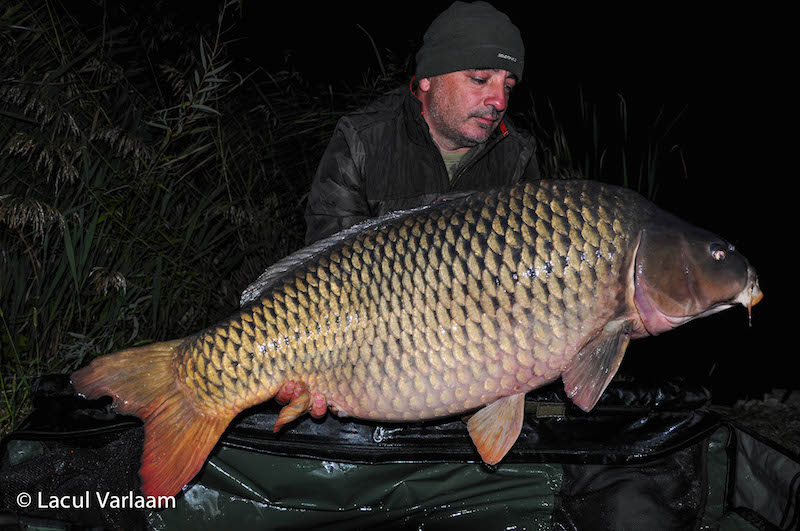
<point x="479" y="80"/>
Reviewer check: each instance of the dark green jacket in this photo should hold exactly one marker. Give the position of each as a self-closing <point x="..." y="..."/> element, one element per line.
<point x="382" y="158"/>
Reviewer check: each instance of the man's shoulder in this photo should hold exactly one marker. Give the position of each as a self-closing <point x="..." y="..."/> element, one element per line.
<point x="387" y="107"/>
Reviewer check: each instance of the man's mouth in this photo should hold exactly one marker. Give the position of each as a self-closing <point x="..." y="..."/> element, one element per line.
<point x="485" y="120"/>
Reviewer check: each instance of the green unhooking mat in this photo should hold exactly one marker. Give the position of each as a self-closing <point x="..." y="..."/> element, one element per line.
<point x="646" y="458"/>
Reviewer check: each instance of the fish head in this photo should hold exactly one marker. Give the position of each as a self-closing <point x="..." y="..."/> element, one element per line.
<point x="682" y="273"/>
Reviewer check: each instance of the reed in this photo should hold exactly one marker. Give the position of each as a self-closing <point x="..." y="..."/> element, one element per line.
<point x="142" y="189"/>
<point x="608" y="138"/>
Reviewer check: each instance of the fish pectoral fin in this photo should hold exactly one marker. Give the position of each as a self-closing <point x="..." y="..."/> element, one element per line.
<point x="495" y="428"/>
<point x="596" y="364"/>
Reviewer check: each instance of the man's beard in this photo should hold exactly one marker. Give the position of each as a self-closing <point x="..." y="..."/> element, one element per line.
<point x="447" y="123"/>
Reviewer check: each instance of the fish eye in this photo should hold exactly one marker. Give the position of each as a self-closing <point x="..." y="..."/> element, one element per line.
<point x="718" y="252"/>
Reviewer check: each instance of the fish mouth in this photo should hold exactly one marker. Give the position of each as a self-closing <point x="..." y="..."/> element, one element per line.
<point x="750" y="295"/>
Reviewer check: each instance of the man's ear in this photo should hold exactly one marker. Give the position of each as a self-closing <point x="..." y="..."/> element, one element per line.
<point x="425" y="84"/>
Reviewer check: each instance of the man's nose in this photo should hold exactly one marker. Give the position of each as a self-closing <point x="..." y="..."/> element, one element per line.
<point x="497" y="96"/>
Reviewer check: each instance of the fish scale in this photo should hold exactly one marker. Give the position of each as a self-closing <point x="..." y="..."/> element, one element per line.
<point x="436" y="311"/>
<point x="428" y="315"/>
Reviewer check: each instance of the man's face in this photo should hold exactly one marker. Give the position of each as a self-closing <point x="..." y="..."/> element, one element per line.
<point x="463" y="108"/>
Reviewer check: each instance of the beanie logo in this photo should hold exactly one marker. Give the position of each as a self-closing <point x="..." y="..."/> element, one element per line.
<point x="506" y="56"/>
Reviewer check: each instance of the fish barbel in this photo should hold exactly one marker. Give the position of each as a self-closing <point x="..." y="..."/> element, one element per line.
<point x="432" y="312"/>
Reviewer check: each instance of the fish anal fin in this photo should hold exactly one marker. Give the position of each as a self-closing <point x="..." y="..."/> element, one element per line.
<point x="179" y="434"/>
<point x="495" y="428"/>
<point x="596" y="364"/>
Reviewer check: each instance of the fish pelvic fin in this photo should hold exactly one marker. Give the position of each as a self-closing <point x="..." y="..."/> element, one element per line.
<point x="178" y="435"/>
<point x="595" y="365"/>
<point x="495" y="428"/>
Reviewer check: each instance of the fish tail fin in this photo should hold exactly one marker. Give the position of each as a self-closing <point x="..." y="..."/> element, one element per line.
<point x="178" y="435"/>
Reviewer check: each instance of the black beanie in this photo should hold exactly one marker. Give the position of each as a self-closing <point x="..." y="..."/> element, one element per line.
<point x="469" y="36"/>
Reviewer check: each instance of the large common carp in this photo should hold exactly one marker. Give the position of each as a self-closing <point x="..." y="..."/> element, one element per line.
<point x="432" y="312"/>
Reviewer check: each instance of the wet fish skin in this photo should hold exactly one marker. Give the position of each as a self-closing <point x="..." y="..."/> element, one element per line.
<point x="430" y="313"/>
<point x="435" y="314"/>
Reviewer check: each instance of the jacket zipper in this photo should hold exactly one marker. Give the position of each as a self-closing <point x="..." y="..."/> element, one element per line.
<point x="486" y="149"/>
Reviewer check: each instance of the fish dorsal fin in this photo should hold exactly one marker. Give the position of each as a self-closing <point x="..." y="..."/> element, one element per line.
<point x="596" y="364"/>
<point x="450" y="196"/>
<point x="495" y="428"/>
<point x="279" y="269"/>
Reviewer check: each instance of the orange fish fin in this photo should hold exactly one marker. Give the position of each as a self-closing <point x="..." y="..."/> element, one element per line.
<point x="596" y="364"/>
<point x="300" y="404"/>
<point x="177" y="435"/>
<point x="495" y="428"/>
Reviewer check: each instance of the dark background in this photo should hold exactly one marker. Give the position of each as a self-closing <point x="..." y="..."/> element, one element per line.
<point x="658" y="58"/>
<point x="655" y="60"/>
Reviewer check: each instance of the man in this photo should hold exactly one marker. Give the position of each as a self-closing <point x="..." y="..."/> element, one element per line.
<point x="444" y="134"/>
